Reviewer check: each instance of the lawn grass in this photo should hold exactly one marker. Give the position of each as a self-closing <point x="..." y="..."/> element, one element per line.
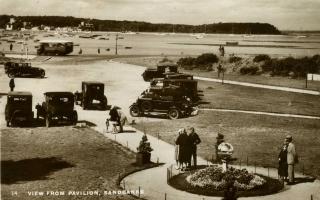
<point x="256" y="138"/>
<point x="61" y="159"/>
<point x="217" y="95"/>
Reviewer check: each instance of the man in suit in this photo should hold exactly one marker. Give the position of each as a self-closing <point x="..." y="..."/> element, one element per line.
<point x="193" y="141"/>
<point x="291" y="159"/>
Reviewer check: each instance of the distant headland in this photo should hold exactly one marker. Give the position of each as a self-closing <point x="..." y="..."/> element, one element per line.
<point x="135" y="26"/>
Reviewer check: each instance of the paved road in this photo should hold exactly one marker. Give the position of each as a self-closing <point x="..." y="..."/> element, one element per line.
<point x="288" y="89"/>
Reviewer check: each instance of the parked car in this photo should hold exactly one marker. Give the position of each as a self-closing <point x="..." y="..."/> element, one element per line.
<point x="156" y="101"/>
<point x="58" y="107"/>
<point x="54" y="47"/>
<point x="172" y="75"/>
<point x="19" y="108"/>
<point x="14" y="69"/>
<point x="184" y="87"/>
<point x="92" y="96"/>
<point x="160" y="71"/>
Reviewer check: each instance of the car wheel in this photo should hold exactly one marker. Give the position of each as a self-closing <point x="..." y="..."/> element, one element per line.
<point x="146" y="106"/>
<point x="174" y="113"/>
<point x="134" y="111"/>
<point x="11" y="75"/>
<point x="43" y="73"/>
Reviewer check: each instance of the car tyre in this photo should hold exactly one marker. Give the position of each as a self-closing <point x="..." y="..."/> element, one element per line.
<point x="74" y="118"/>
<point x="173" y="113"/>
<point x="135" y="111"/>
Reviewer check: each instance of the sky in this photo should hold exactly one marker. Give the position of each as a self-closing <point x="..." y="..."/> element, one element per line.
<point x="284" y="14"/>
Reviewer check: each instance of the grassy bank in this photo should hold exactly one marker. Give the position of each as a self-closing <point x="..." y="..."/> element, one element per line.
<point x="61" y="159"/>
<point x="255" y="137"/>
<point x="232" y="72"/>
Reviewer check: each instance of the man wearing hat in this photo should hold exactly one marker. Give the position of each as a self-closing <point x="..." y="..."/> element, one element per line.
<point x="291" y="158"/>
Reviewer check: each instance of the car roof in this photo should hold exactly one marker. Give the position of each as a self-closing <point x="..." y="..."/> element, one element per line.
<point x="58" y="93"/>
<point x="167" y="64"/>
<point x="92" y="83"/>
<point x="54" y="41"/>
<point x="19" y="93"/>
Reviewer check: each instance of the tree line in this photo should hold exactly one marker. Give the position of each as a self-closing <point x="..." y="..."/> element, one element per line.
<point x="138" y="26"/>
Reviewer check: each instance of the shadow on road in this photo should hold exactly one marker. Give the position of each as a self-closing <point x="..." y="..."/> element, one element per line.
<point x="30" y="169"/>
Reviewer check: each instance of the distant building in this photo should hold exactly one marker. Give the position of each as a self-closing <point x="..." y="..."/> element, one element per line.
<point x="86" y="26"/>
<point x="9" y="27"/>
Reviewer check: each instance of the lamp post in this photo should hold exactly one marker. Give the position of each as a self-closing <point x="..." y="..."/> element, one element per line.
<point x="117" y="44"/>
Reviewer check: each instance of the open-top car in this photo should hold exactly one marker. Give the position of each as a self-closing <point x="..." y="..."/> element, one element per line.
<point x="92" y="96"/>
<point x="160" y="71"/>
<point x="162" y="100"/>
<point x="19" y="108"/>
<point x="58" y="107"/>
<point x="14" y="69"/>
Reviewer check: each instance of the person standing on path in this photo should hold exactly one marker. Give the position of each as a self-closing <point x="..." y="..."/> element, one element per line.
<point x="114" y="118"/>
<point x="122" y="120"/>
<point x="193" y="141"/>
<point x="182" y="142"/>
<point x="177" y="149"/>
<point x="12" y="84"/>
<point x="291" y="159"/>
<point x="283" y="164"/>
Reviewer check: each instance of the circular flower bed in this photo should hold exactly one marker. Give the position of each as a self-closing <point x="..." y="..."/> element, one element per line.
<point x="211" y="181"/>
<point x="213" y="178"/>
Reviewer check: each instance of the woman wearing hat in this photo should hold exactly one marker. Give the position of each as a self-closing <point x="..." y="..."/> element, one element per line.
<point x="283" y="164"/>
<point x="181" y="151"/>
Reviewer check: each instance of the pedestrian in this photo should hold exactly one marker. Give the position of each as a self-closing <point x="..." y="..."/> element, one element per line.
<point x="177" y="150"/>
<point x="114" y="119"/>
<point x="122" y="120"/>
<point x="182" y="142"/>
<point x="283" y="164"/>
<point x="193" y="141"/>
<point x="12" y="84"/>
<point x="11" y="46"/>
<point x="292" y="158"/>
<point x="98" y="50"/>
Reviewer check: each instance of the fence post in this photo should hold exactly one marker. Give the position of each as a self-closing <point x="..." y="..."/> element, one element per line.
<point x="165" y="196"/>
<point x="157" y="160"/>
<point x="311" y="197"/>
<point x="124" y="184"/>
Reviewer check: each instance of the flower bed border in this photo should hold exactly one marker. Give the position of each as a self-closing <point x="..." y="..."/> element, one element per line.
<point x="179" y="182"/>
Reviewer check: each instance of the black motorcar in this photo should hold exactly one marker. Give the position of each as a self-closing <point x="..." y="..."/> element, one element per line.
<point x="92" y="96"/>
<point x="160" y="71"/>
<point x="58" y="107"/>
<point x="14" y="69"/>
<point x="19" y="108"/>
<point x="158" y="101"/>
<point x="184" y="87"/>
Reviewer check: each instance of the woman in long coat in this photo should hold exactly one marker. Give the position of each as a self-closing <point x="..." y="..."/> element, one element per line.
<point x="182" y="151"/>
<point x="283" y="164"/>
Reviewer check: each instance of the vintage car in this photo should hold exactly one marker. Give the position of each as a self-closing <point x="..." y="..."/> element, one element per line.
<point x="159" y="100"/>
<point x="19" y="108"/>
<point x="54" y="47"/>
<point x="92" y="96"/>
<point x="58" y="107"/>
<point x="14" y="69"/>
<point x="160" y="71"/>
<point x="185" y="87"/>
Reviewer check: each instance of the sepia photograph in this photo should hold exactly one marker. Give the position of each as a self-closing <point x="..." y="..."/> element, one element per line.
<point x="160" y="100"/>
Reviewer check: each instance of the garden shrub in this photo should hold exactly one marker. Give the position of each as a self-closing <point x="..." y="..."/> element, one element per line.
<point x="252" y="70"/>
<point x="206" y="58"/>
<point x="234" y="59"/>
<point x="202" y="62"/>
<point x="261" y="57"/>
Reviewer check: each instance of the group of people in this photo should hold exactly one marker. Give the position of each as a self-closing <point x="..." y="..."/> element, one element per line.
<point x="287" y="159"/>
<point x="117" y="118"/>
<point x="186" y="148"/>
